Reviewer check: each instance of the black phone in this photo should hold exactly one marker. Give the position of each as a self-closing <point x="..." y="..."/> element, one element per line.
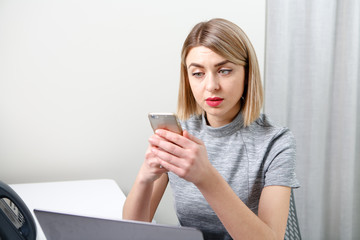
<point x="16" y="221"/>
<point x="168" y="121"/>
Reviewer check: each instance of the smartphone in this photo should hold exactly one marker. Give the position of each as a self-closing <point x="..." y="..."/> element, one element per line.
<point x="168" y="121"/>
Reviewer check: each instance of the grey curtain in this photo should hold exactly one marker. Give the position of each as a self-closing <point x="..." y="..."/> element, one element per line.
<point x="312" y="86"/>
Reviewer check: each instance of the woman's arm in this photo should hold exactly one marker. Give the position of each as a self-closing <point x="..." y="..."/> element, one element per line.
<point x="143" y="199"/>
<point x="238" y="219"/>
<point x="188" y="159"/>
<point x="147" y="191"/>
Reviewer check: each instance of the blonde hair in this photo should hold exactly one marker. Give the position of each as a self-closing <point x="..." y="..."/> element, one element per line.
<point x="229" y="41"/>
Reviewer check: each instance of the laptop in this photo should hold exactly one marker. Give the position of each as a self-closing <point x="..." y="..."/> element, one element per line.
<point x="58" y="226"/>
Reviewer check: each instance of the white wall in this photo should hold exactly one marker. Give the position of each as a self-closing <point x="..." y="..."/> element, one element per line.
<point x="77" y="79"/>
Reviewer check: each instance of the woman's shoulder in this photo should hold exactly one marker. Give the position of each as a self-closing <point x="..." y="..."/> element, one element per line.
<point x="266" y="128"/>
<point x="266" y="123"/>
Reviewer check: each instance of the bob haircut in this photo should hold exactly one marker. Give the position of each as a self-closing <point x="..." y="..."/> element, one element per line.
<point x="229" y="41"/>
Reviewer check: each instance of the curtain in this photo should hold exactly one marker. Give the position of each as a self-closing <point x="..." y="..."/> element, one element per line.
<point x="312" y="86"/>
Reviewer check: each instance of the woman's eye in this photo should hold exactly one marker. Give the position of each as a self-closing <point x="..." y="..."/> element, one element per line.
<point x="198" y="74"/>
<point x="225" y="71"/>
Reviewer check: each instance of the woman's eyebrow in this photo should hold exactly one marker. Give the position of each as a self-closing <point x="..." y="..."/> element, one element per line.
<point x="195" y="65"/>
<point x="216" y="65"/>
<point x="222" y="63"/>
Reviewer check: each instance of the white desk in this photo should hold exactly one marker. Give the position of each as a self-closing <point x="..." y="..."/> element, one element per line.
<point x="94" y="198"/>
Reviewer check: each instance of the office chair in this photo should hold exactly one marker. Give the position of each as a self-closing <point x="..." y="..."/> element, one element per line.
<point x="292" y="228"/>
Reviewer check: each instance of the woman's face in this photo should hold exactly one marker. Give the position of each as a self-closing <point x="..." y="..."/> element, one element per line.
<point x="216" y="83"/>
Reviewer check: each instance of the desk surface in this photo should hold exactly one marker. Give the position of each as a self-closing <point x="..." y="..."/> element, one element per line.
<point x="94" y="198"/>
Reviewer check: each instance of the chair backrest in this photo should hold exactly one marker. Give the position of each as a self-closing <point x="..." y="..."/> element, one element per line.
<point x="292" y="228"/>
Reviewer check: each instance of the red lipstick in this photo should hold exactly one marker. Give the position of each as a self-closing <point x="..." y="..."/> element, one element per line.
<point x="214" y="101"/>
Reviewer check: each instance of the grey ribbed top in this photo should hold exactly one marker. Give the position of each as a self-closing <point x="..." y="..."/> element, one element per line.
<point x="249" y="158"/>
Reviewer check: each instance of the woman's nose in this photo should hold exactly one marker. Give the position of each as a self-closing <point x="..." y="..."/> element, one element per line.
<point x="212" y="83"/>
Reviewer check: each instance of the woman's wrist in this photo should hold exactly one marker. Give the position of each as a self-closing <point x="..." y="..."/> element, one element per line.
<point x="210" y="175"/>
<point x="144" y="180"/>
<point x="145" y="177"/>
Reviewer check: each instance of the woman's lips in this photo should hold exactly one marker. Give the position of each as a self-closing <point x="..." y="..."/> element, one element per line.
<point x="214" y="101"/>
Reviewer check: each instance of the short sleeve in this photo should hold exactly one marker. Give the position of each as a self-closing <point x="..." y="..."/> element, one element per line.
<point x="281" y="160"/>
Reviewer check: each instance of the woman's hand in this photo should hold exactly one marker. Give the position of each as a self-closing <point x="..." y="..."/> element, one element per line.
<point x="184" y="155"/>
<point x="147" y="191"/>
<point x="151" y="169"/>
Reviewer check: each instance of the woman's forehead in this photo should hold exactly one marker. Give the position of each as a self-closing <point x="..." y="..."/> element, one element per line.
<point x="202" y="55"/>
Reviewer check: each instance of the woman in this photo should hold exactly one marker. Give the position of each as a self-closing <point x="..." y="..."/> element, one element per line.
<point x="232" y="170"/>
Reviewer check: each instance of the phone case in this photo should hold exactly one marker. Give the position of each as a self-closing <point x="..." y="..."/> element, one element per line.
<point x="168" y="121"/>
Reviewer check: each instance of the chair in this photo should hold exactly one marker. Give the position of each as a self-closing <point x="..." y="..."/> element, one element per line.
<point x="292" y="229"/>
